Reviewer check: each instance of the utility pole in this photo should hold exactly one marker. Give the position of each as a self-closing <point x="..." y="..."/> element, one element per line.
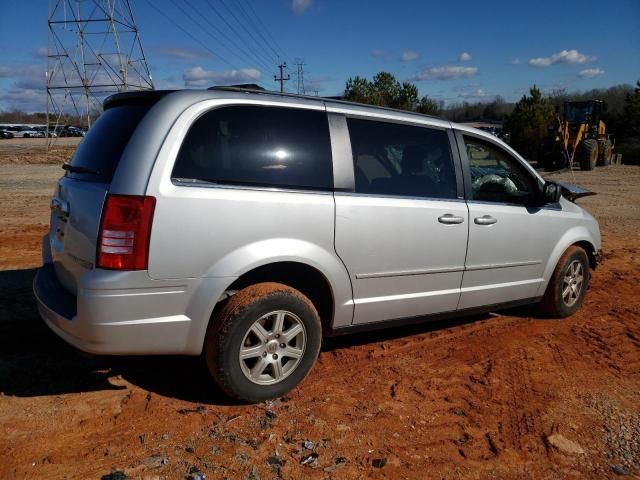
<point x="300" y="76"/>
<point x="282" y="78"/>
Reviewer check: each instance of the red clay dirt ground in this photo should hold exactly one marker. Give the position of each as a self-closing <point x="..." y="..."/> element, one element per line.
<point x="509" y="395"/>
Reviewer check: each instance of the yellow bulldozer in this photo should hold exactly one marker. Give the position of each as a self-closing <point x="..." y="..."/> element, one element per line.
<point x="579" y="137"/>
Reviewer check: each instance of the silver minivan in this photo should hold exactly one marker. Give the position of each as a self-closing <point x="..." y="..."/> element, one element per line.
<point x="244" y="226"/>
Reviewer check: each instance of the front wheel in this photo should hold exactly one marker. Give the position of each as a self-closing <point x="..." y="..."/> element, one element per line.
<point x="605" y="152"/>
<point x="263" y="342"/>
<point x="568" y="285"/>
<point x="588" y="154"/>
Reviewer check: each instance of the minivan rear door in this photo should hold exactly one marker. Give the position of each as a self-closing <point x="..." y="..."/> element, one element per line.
<point x="402" y="231"/>
<point x="76" y="206"/>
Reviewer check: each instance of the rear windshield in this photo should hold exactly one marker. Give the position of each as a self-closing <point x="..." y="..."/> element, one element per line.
<point x="101" y="149"/>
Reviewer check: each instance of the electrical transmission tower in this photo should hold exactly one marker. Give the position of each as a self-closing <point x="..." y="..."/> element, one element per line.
<point x="94" y="51"/>
<point x="300" y="75"/>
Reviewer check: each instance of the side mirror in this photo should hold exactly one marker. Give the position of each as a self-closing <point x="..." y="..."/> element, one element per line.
<point x="551" y="192"/>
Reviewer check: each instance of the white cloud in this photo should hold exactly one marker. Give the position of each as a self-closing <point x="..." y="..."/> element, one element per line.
<point x="42" y="52"/>
<point x="408" y="55"/>
<point x="22" y="70"/>
<point x="23" y="99"/>
<point x="446" y="72"/>
<point x="300" y="6"/>
<point x="199" y="77"/>
<point x="473" y="93"/>
<point x="378" y="53"/>
<point x="313" y="84"/>
<point x="590" y="72"/>
<point x="565" y="56"/>
<point x="516" y="61"/>
<point x="167" y="83"/>
<point x="185" y="53"/>
<point x="465" y="57"/>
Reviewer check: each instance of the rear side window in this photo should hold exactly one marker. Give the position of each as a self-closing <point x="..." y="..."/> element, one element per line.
<point x="401" y="160"/>
<point x="100" y="151"/>
<point x="261" y="146"/>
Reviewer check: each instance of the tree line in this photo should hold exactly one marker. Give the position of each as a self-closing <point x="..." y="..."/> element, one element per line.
<point x="40" y="118"/>
<point x="527" y="120"/>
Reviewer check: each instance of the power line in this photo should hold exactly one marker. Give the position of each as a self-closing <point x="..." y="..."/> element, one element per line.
<point x="203" y="28"/>
<point x="244" y="13"/>
<point x="248" y="55"/>
<point x="242" y="25"/>
<point x="186" y="32"/>
<point x="264" y="27"/>
<point x="217" y="12"/>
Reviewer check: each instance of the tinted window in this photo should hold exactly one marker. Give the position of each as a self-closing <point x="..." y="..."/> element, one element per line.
<point x="495" y="175"/>
<point x="395" y="159"/>
<point x="102" y="148"/>
<point x="252" y="145"/>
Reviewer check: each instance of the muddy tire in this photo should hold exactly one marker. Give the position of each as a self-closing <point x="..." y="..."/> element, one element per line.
<point x="568" y="285"/>
<point x="263" y="342"/>
<point x="604" y="158"/>
<point x="588" y="154"/>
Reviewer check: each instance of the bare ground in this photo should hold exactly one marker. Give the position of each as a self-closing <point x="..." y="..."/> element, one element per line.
<point x="512" y="395"/>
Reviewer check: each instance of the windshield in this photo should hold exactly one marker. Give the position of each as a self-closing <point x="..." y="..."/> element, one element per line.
<point x="578" y="112"/>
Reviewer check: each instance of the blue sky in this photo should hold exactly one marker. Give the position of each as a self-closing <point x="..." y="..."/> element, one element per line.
<point x="453" y="51"/>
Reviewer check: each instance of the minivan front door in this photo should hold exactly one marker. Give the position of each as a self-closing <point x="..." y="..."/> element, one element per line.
<point x="509" y="239"/>
<point x="402" y="232"/>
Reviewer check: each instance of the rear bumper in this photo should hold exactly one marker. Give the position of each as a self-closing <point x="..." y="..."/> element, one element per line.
<point x="109" y="330"/>
<point x="127" y="313"/>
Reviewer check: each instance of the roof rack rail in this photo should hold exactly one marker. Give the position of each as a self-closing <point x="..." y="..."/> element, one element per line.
<point x="260" y="90"/>
<point x="242" y="87"/>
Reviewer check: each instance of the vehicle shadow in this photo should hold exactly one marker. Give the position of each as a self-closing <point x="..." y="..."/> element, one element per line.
<point x="35" y="362"/>
<point x="394" y="333"/>
<point x="426" y="326"/>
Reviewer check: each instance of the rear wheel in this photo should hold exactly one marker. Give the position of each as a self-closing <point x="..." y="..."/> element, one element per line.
<point x="263" y="342"/>
<point x="568" y="284"/>
<point x="588" y="154"/>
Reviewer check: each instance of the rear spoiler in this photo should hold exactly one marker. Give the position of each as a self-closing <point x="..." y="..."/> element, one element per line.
<point x="573" y="192"/>
<point x="137" y="96"/>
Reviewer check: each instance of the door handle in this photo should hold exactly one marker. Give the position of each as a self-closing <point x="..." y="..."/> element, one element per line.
<point x="450" y="219"/>
<point x="485" y="220"/>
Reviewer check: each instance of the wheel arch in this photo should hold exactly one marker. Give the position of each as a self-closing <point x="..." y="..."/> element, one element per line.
<point x="316" y="271"/>
<point x="591" y="251"/>
<point x="578" y="236"/>
<point x="308" y="280"/>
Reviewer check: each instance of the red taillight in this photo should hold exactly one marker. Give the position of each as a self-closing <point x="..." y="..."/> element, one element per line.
<point x="125" y="229"/>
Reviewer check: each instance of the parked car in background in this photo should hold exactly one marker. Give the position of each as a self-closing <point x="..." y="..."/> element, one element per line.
<point x="245" y="226"/>
<point x="69" y="131"/>
<point x="76" y="131"/>
<point x="24" y="132"/>
<point x="32" y="132"/>
<point x="51" y="132"/>
<point x="4" y="133"/>
<point x="15" y="131"/>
